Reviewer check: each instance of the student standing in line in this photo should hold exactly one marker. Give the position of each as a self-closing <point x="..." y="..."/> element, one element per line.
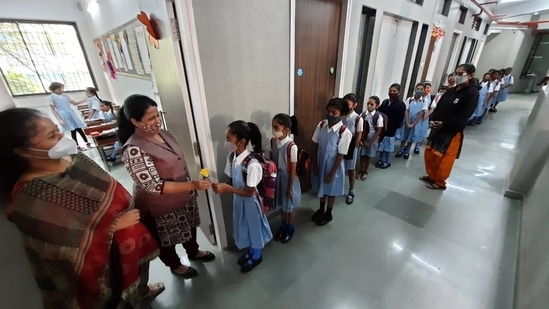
<point x="373" y="124"/>
<point x="394" y="108"/>
<point x="288" y="188"/>
<point x="250" y="226"/>
<point x="355" y="124"/>
<point x="331" y="143"/>
<point x="60" y="104"/>
<point x="496" y="82"/>
<point x="411" y="131"/>
<point x="484" y="86"/>
<point x="507" y="82"/>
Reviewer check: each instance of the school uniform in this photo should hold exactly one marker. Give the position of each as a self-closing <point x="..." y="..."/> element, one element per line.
<point x="350" y="121"/>
<point x="330" y="145"/>
<point x="280" y="157"/>
<point x="369" y="118"/>
<point x="94" y="104"/>
<point x="502" y="95"/>
<point x="250" y="225"/>
<point x="495" y="87"/>
<point x="62" y="104"/>
<point x="107" y="116"/>
<point x="414" y="134"/>
<point x="423" y="124"/>
<point x="482" y="93"/>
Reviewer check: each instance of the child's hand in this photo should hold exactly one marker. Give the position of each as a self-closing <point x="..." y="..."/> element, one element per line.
<point x="409" y="126"/>
<point x="220" y="188"/>
<point x="128" y="219"/>
<point x="329" y="178"/>
<point x="290" y="193"/>
<point x="366" y="144"/>
<point x="202" y="184"/>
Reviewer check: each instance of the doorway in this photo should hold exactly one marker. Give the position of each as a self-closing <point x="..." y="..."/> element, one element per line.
<point x="417" y="61"/>
<point x="452" y="57"/>
<point x="365" y="34"/>
<point x="317" y="29"/>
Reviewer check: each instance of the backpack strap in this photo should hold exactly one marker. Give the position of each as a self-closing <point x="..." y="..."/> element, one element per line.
<point x="289" y="155"/>
<point x="341" y="130"/>
<point x="323" y="123"/>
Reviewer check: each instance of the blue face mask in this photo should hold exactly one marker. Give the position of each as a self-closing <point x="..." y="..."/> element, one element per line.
<point x="332" y="119"/>
<point x="419" y="93"/>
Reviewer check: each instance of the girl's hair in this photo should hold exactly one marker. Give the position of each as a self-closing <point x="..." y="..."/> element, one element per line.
<point x="93" y="91"/>
<point x="247" y="131"/>
<point x="468" y="67"/>
<point x="55" y="85"/>
<point x="134" y="107"/>
<point x="288" y="122"/>
<point x="395" y="85"/>
<point x="352" y="97"/>
<point x="108" y="104"/>
<point x="420" y="84"/>
<point x="443" y="87"/>
<point x="375" y="98"/>
<point x="340" y="104"/>
<point x="19" y="128"/>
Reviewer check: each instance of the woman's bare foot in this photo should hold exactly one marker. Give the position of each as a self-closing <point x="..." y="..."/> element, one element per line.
<point x="154" y="290"/>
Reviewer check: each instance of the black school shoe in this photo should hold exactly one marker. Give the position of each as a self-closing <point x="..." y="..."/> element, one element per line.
<point x="244" y="259"/>
<point x="325" y="219"/>
<point x="286" y="238"/>
<point x="317" y="215"/>
<point x="279" y="234"/>
<point x="248" y="267"/>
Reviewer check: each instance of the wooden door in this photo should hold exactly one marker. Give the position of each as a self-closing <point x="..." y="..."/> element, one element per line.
<point x="317" y="26"/>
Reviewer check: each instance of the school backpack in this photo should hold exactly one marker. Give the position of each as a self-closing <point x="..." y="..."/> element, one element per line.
<point x="303" y="160"/>
<point x="375" y="118"/>
<point x="350" y="152"/>
<point x="267" y="186"/>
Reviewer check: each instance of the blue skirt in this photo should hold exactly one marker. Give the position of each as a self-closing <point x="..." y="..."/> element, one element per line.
<point x="281" y="200"/>
<point x="387" y="144"/>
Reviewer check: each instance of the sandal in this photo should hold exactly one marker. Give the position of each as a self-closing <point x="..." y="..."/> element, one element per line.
<point x="426" y="179"/>
<point x="399" y="154"/>
<point x="434" y="186"/>
<point x="364" y="176"/>
<point x="416" y="150"/>
<point x="359" y="175"/>
<point x="154" y="290"/>
<point x="406" y="156"/>
<point x="350" y="198"/>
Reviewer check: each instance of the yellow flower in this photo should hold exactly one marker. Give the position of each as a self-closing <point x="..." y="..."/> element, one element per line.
<point x="205" y="173"/>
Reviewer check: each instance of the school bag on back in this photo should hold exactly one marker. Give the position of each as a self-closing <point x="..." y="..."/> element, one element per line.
<point x="350" y="152"/>
<point x="303" y="161"/>
<point x="267" y="186"/>
<point x="375" y="118"/>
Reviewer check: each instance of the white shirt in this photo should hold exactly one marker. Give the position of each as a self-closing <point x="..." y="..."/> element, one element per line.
<point x="420" y="100"/>
<point x="95" y="105"/>
<point x="370" y="115"/>
<point x="344" y="141"/>
<point x="494" y="86"/>
<point x="280" y="143"/>
<point x="254" y="173"/>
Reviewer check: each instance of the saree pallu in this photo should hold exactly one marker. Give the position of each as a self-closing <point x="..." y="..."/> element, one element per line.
<point x="68" y="226"/>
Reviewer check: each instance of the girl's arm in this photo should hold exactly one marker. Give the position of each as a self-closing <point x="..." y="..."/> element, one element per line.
<point x="375" y="137"/>
<point x="406" y="116"/>
<point x="292" y="171"/>
<point x="358" y="134"/>
<point x="73" y="102"/>
<point x="227" y="188"/>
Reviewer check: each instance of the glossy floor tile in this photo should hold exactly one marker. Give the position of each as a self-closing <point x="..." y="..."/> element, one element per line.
<point x="399" y="245"/>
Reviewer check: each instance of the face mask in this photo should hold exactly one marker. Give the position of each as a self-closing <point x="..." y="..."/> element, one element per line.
<point x="64" y="147"/>
<point x="230" y="147"/>
<point x="332" y="119"/>
<point x="278" y="134"/>
<point x="419" y="93"/>
<point x="427" y="91"/>
<point x="152" y="128"/>
<point x="461" y="79"/>
<point x="393" y="95"/>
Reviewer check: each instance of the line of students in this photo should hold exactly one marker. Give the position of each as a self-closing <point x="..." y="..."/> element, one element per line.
<point x="493" y="90"/>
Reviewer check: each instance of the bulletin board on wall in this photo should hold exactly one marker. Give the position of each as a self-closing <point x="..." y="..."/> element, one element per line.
<point x="124" y="51"/>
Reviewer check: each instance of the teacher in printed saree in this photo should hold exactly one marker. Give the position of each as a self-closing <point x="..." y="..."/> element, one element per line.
<point x="447" y="123"/>
<point x="81" y="234"/>
<point x="163" y="191"/>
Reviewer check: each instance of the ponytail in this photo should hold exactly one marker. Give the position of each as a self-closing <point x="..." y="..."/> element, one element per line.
<point x="294" y="128"/>
<point x="125" y="127"/>
<point x="255" y="137"/>
<point x="288" y="122"/>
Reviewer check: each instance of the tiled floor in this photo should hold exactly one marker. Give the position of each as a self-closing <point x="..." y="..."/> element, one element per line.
<point x="399" y="245"/>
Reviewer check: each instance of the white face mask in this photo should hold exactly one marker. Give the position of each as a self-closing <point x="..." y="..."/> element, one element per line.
<point x="230" y="147"/>
<point x="64" y="147"/>
<point x="278" y="134"/>
<point x="461" y="79"/>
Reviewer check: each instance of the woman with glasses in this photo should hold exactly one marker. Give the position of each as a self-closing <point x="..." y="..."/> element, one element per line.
<point x="447" y="123"/>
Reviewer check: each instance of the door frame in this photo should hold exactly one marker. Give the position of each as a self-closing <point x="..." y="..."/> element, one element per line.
<point x="196" y="94"/>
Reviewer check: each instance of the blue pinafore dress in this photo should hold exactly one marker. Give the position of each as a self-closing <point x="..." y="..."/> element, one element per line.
<point x="62" y="103"/>
<point x="415" y="134"/>
<point x="280" y="157"/>
<point x="328" y="142"/>
<point x="250" y="225"/>
<point x="479" y="111"/>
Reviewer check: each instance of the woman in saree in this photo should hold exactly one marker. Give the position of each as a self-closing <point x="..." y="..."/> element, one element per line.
<point x="80" y="232"/>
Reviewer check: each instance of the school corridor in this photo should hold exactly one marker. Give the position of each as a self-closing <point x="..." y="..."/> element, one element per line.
<point x="399" y="245"/>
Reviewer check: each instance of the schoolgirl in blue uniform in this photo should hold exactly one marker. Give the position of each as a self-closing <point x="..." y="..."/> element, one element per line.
<point x="330" y="145"/>
<point x="355" y="124"/>
<point x="482" y="103"/>
<point x="250" y="226"/>
<point x="411" y="130"/>
<point x="94" y="103"/>
<point x="370" y="144"/>
<point x="288" y="188"/>
<point x="506" y="82"/>
<point x="60" y="104"/>
<point x="108" y="114"/>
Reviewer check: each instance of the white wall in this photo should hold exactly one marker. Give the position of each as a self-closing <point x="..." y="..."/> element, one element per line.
<point x="245" y="56"/>
<point x="6" y="101"/>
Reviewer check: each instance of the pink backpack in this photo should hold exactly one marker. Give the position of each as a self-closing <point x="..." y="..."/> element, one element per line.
<point x="267" y="186"/>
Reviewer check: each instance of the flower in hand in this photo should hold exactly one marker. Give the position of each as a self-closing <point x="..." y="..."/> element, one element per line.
<point x="205" y="173"/>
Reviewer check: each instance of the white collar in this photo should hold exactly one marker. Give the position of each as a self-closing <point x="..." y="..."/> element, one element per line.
<point x="335" y="127"/>
<point x="370" y="113"/>
<point x="238" y="160"/>
<point x="282" y="142"/>
<point x="351" y="115"/>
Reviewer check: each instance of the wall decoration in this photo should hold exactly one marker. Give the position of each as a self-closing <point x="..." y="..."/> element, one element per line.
<point x="124" y="51"/>
<point x="150" y="25"/>
<point x="439" y="30"/>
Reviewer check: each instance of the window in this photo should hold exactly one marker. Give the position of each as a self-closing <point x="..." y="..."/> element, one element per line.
<point x="486" y="28"/>
<point x="462" y="14"/>
<point x="477" y="21"/>
<point x="446" y="7"/>
<point x="34" y="54"/>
